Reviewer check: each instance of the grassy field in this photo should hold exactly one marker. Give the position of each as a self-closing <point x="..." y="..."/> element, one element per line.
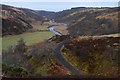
<point x="29" y="38"/>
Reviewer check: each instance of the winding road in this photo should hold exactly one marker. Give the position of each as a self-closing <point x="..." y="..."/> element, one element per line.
<point x="63" y="61"/>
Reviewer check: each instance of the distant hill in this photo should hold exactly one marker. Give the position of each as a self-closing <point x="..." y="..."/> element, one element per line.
<point x="80" y="20"/>
<point x="95" y="22"/>
<point x="45" y="13"/>
<point x="59" y="16"/>
<point x="18" y="20"/>
<point x="89" y="21"/>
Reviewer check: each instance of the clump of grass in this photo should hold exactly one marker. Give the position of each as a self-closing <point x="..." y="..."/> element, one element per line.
<point x="69" y="57"/>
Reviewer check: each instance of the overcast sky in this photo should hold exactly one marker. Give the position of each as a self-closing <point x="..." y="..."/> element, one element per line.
<point x="59" y="6"/>
<point x="59" y="0"/>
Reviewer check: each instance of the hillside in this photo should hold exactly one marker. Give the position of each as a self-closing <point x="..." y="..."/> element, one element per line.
<point x="95" y="55"/>
<point x="60" y="44"/>
<point x="45" y="13"/>
<point x="89" y="21"/>
<point x="61" y="15"/>
<point x="80" y="20"/>
<point x="18" y="20"/>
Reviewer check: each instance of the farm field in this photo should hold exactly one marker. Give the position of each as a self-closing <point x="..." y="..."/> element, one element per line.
<point x="29" y="38"/>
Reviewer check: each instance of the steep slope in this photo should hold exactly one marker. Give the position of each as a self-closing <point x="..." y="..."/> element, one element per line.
<point x="17" y="20"/>
<point x="96" y="55"/>
<point x="61" y="15"/>
<point x="89" y="21"/>
<point x="96" y="22"/>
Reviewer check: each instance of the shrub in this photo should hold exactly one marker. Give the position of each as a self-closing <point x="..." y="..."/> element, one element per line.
<point x="14" y="71"/>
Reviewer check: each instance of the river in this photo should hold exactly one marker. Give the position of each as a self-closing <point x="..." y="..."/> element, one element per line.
<point x="55" y="32"/>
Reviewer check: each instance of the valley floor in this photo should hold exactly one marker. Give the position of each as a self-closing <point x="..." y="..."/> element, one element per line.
<point x="40" y="57"/>
<point x="30" y="38"/>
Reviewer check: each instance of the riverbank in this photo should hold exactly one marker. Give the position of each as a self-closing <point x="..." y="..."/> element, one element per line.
<point x="60" y="29"/>
<point x="52" y="29"/>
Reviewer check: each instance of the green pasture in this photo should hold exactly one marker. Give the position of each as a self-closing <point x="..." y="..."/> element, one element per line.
<point x="29" y="38"/>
